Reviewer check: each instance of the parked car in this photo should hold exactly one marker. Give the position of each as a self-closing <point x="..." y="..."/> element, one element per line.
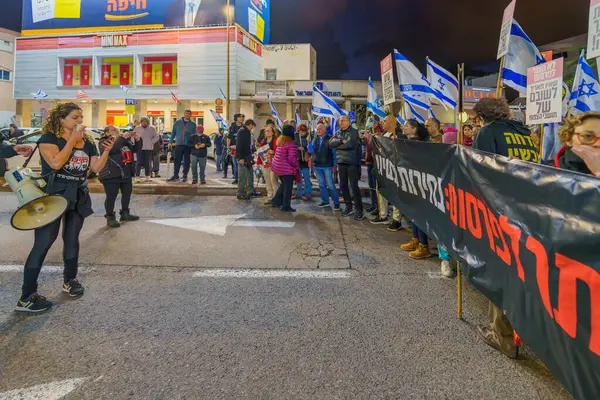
<point x="5" y="133"/>
<point x="166" y="136"/>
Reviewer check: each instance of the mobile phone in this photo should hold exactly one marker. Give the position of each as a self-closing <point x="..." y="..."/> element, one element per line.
<point x="78" y="127"/>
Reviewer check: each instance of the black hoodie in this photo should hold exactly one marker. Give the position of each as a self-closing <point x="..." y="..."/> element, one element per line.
<point x="507" y="138"/>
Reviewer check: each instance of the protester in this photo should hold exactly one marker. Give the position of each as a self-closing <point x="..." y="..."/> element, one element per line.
<point x="305" y="184"/>
<point x="15" y="132"/>
<point x="370" y="163"/>
<point x="418" y="247"/>
<point x="323" y="158"/>
<point x="117" y="175"/>
<point x="434" y="128"/>
<point x="580" y="136"/>
<point x="156" y="151"/>
<point x="219" y="145"/>
<point x="245" y="160"/>
<point x="236" y="125"/>
<point x="149" y="137"/>
<point x="284" y="165"/>
<point x="183" y="130"/>
<point x="468" y="133"/>
<point x="497" y="136"/>
<point x="8" y="151"/>
<point x="199" y="144"/>
<point x="345" y="141"/>
<point x="271" y="180"/>
<point x="67" y="154"/>
<point x="450" y="137"/>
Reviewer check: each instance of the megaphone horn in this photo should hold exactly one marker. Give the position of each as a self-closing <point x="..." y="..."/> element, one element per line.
<point x="36" y="208"/>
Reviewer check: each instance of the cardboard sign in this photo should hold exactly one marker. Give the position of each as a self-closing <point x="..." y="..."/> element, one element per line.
<point x="387" y="81"/>
<point x="545" y="93"/>
<point x="507" y="20"/>
<point x="593" y="47"/>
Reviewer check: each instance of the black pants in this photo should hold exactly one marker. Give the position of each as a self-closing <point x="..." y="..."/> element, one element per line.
<point x="182" y="154"/>
<point x="44" y="239"/>
<point x="111" y="189"/>
<point x="283" y="197"/>
<point x="348" y="181"/>
<point x="144" y="160"/>
<point x="372" y="185"/>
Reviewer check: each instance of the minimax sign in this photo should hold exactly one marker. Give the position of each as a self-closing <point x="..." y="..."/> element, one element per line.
<point x="114" y="41"/>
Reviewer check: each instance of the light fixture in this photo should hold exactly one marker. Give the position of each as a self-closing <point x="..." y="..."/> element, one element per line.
<point x="155" y="101"/>
<point x="464" y="117"/>
<point x="200" y="102"/>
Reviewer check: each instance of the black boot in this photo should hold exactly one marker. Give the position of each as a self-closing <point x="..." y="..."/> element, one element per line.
<point x="126" y="216"/>
<point x="111" y="221"/>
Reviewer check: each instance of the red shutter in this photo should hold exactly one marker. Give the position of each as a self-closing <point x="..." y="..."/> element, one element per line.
<point x="167" y="74"/>
<point x="105" y="78"/>
<point x="124" y="74"/>
<point x="146" y="74"/>
<point x="68" y="75"/>
<point x="85" y="75"/>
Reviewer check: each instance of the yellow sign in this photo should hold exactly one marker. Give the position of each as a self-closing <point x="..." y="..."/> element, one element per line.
<point x="130" y="110"/>
<point x="67" y="9"/>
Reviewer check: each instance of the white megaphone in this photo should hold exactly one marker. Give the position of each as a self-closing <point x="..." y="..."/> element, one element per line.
<point x="36" y="208"/>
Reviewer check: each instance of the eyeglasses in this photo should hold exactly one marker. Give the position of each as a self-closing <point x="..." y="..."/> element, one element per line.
<point x="588" y="138"/>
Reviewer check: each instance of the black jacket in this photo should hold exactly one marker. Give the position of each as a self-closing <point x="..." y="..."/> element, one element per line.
<point x="346" y="143"/>
<point x="200" y="139"/>
<point x="507" y="138"/>
<point x="7" y="151"/>
<point x="119" y="167"/>
<point x="244" y="145"/>
<point x="233" y="131"/>
<point x="567" y="159"/>
<point x="302" y="155"/>
<point x="322" y="157"/>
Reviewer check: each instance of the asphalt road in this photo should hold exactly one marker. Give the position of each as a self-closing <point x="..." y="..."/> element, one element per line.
<point x="209" y="298"/>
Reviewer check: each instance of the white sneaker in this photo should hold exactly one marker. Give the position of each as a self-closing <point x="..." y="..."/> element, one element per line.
<point x="147" y="179"/>
<point x="447" y="270"/>
<point x="137" y="180"/>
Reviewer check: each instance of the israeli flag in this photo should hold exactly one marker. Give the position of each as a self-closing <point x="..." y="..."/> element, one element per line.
<point x="125" y="88"/>
<point x="414" y="86"/>
<point x="218" y="119"/>
<point x="400" y="120"/>
<point x="324" y="106"/>
<point x="444" y="84"/>
<point x="522" y="54"/>
<point x="585" y="95"/>
<point x="417" y="112"/>
<point x="40" y="94"/>
<point x="275" y="114"/>
<point x="373" y="102"/>
<point x="298" y="120"/>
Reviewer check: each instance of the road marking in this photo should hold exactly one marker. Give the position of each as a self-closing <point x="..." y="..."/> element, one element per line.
<point x="218" y="224"/>
<point x="254" y="273"/>
<point x="19" y="268"/>
<point x="47" y="391"/>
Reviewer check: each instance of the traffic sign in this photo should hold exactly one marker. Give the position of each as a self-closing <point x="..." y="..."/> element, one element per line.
<point x="129" y="102"/>
<point x="219" y="102"/>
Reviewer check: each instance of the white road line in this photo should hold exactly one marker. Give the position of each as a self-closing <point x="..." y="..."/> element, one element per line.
<point x="19" y="268"/>
<point x="250" y="273"/>
<point x="263" y="223"/>
<point x="47" y="391"/>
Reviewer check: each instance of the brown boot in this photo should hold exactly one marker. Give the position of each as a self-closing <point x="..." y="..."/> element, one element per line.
<point x="491" y="338"/>
<point x="422" y="251"/>
<point x="410" y="246"/>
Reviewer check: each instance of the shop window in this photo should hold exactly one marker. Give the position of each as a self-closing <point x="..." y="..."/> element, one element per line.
<point x="77" y="71"/>
<point x="159" y="70"/>
<point x="117" y="118"/>
<point x="5" y="75"/>
<point x="270" y="74"/>
<point x="5" y="45"/>
<point x="116" y="71"/>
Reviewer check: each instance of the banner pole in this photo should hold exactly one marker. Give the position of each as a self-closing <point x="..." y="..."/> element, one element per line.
<point x="499" y="84"/>
<point x="459" y="285"/>
<point x="542" y="139"/>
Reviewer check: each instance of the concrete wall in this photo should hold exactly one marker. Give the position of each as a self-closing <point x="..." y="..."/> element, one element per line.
<point x="8" y="105"/>
<point x="292" y="61"/>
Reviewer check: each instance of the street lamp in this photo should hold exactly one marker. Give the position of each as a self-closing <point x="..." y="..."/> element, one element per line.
<point x="228" y="90"/>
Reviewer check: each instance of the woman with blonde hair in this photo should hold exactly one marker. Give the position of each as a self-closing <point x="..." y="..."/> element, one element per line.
<point x="268" y="174"/>
<point x="67" y="155"/>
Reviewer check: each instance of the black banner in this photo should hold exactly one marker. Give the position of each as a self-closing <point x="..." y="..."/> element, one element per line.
<point x="528" y="238"/>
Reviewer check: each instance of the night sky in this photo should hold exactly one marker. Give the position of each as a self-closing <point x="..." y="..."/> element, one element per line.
<point x="352" y="36"/>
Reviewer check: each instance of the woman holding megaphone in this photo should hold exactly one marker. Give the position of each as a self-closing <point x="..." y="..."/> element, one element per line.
<point x="67" y="155"/>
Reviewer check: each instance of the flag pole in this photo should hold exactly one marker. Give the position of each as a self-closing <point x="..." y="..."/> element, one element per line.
<point x="459" y="284"/>
<point x="499" y="84"/>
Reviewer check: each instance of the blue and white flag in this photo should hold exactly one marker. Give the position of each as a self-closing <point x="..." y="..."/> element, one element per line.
<point x="219" y="119"/>
<point x="416" y="112"/>
<point x="373" y="101"/>
<point x="522" y="54"/>
<point x="400" y="119"/>
<point x="298" y="120"/>
<point x="585" y="95"/>
<point x="444" y="84"/>
<point x="275" y="114"/>
<point x="324" y="106"/>
<point x="125" y="88"/>
<point x="414" y="86"/>
<point x="40" y="94"/>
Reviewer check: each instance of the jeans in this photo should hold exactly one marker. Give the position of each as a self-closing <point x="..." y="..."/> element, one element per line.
<point x="283" y="197"/>
<point x="349" y="180"/>
<point x="182" y="155"/>
<point x="112" y="190"/>
<point x="271" y="180"/>
<point x="156" y="163"/>
<point x="201" y="162"/>
<point x="219" y="162"/>
<point x="245" y="177"/>
<point x="146" y="159"/>
<point x="419" y="234"/>
<point x="326" y="185"/>
<point x="372" y="185"/>
<point x="304" y="177"/>
<point x="44" y="239"/>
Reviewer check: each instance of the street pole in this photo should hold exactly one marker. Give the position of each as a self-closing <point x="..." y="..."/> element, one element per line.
<point x="227" y="101"/>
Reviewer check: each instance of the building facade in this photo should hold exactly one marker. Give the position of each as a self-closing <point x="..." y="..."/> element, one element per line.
<point x="8" y="105"/>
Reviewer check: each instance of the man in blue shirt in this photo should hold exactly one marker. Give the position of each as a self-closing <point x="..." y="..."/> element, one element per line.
<point x="183" y="130"/>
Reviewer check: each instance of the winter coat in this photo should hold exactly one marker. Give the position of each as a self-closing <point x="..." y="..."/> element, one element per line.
<point x="182" y="132"/>
<point x="285" y="161"/>
<point x="567" y="159"/>
<point x="507" y="138"/>
<point x="346" y="143"/>
<point x="323" y="154"/>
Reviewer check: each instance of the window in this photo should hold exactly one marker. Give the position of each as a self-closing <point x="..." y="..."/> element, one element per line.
<point x="159" y="70"/>
<point x="4" y="75"/>
<point x="6" y="46"/>
<point x="270" y="74"/>
<point x="77" y="71"/>
<point x="115" y="71"/>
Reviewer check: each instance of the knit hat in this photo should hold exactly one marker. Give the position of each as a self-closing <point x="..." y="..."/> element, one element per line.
<point x="288" y="131"/>
<point x="200" y="129"/>
<point x="450" y="136"/>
